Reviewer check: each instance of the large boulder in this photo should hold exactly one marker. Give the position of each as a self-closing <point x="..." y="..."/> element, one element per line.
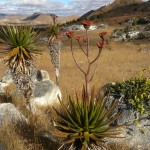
<point x="45" y="93"/>
<point x="9" y="114"/>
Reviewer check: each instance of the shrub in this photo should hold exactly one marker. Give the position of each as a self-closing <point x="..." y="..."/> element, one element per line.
<point x="136" y="93"/>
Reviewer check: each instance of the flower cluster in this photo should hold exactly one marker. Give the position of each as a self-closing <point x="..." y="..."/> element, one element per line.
<point x="87" y="24"/>
<point x="70" y="34"/>
<point x="100" y="44"/>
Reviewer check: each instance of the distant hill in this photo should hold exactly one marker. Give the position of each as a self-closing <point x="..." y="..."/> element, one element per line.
<point x="36" y="18"/>
<point x="41" y="18"/>
<point x="2" y="15"/>
<point x="120" y="10"/>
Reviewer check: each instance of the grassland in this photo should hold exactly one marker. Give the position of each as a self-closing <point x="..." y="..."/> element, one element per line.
<point x="118" y="61"/>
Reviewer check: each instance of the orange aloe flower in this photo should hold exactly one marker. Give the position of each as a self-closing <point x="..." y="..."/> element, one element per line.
<point x="70" y="34"/>
<point x="87" y="24"/>
<point x="85" y="39"/>
<point x="101" y="44"/>
<point x="102" y="34"/>
<point x="78" y="38"/>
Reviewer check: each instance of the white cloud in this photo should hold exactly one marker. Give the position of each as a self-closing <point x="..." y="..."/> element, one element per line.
<point x="76" y="7"/>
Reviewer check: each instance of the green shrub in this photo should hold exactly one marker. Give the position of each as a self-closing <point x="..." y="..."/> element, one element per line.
<point x="136" y="93"/>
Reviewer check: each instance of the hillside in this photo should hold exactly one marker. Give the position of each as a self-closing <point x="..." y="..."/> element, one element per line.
<point x="119" y="11"/>
<point x="41" y="18"/>
<point x="36" y="18"/>
<point x="114" y="5"/>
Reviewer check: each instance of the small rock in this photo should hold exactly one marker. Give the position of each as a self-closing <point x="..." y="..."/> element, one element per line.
<point x="10" y="114"/>
<point x="42" y="75"/>
<point x="7" y="78"/>
<point x="2" y="147"/>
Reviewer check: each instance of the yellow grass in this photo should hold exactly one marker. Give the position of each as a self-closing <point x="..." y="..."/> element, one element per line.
<point x="118" y="61"/>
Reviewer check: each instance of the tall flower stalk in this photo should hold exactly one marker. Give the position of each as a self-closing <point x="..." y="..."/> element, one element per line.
<point x="88" y="76"/>
<point x="85" y="122"/>
<point x="20" y="52"/>
<point x="55" y="47"/>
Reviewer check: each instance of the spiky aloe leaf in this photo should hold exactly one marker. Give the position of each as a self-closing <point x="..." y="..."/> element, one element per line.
<point x="18" y="42"/>
<point x="95" y="122"/>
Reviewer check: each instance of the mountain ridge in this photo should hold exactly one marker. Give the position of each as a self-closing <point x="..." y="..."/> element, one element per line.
<point x="119" y="10"/>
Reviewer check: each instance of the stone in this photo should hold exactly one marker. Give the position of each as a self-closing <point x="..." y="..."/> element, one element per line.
<point x="9" y="114"/>
<point x="136" y="134"/>
<point x="45" y="93"/>
<point x="144" y="35"/>
<point x="2" y="147"/>
<point x="42" y="75"/>
<point x="7" y="78"/>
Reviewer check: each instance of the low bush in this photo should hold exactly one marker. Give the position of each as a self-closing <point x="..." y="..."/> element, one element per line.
<point x="136" y="93"/>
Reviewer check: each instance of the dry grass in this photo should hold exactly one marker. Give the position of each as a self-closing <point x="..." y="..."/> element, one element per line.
<point x="118" y="61"/>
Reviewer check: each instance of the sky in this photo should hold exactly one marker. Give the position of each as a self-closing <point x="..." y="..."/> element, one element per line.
<point x="58" y="7"/>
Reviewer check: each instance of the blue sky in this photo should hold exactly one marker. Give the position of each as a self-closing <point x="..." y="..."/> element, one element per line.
<point x="58" y="7"/>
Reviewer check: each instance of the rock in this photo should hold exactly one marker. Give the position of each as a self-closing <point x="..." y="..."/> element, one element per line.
<point x="2" y="147"/>
<point x="42" y="75"/>
<point x="45" y="93"/>
<point x="7" y="78"/>
<point x="10" y="114"/>
<point x="49" y="141"/>
<point x="1" y="89"/>
<point x="144" y="35"/>
<point x="135" y="134"/>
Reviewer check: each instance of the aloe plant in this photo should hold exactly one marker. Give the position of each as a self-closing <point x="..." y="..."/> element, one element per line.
<point x="20" y="52"/>
<point x="55" y="47"/>
<point x="85" y="122"/>
<point x="86" y="126"/>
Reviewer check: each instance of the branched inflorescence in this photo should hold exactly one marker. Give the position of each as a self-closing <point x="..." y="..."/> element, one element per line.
<point x="88" y="74"/>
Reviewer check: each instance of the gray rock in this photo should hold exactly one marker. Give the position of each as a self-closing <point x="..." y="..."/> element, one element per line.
<point x="144" y="35"/>
<point x="135" y="134"/>
<point x="2" y="147"/>
<point x="42" y="75"/>
<point x="10" y="114"/>
<point x="7" y="78"/>
<point x="45" y="93"/>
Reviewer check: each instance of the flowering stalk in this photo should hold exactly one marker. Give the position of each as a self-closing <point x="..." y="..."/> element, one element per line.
<point x="88" y="76"/>
<point x="55" y="47"/>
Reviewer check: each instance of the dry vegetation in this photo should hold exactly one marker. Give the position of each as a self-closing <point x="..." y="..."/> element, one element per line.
<point x="118" y="61"/>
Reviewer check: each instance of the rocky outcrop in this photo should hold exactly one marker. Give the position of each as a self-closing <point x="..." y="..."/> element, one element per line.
<point x="135" y="131"/>
<point x="9" y="114"/>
